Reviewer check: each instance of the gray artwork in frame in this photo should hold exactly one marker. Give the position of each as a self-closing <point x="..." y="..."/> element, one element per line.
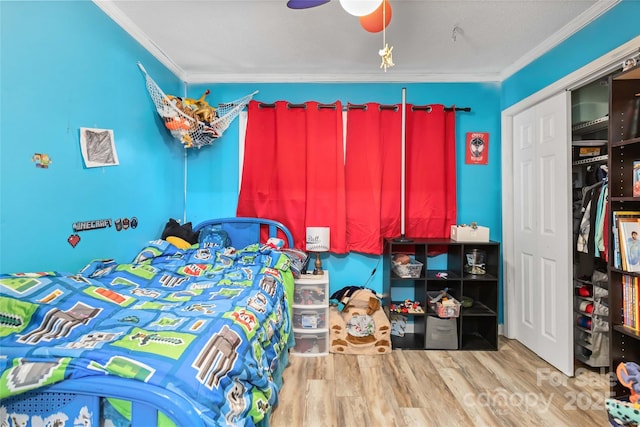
<point x="98" y="147"/>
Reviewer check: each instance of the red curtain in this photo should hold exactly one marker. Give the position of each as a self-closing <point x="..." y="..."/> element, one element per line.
<point x="293" y="168"/>
<point x="373" y="174"/>
<point x="373" y="153"/>
<point x="431" y="171"/>
<point x="296" y="171"/>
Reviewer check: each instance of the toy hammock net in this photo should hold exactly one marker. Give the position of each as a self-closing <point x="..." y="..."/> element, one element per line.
<point x="193" y="122"/>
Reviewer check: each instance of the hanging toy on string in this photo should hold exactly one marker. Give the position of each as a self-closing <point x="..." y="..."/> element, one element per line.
<point x="386" y="52"/>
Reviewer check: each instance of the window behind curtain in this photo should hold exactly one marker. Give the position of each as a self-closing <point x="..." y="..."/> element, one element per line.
<point x="296" y="171"/>
<point x="293" y="168"/>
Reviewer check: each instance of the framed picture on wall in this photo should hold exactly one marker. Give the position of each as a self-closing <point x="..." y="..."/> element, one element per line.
<point x="477" y="148"/>
<point x="98" y="147"/>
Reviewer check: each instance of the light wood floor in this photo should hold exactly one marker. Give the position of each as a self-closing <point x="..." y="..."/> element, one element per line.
<point x="508" y="387"/>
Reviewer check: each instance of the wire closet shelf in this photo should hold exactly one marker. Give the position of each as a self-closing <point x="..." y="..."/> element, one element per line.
<point x="182" y="121"/>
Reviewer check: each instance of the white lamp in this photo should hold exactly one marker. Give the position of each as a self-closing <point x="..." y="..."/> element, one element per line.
<point x="318" y="240"/>
<point x="360" y="7"/>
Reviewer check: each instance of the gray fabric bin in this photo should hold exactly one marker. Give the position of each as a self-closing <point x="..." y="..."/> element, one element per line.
<point x="442" y="334"/>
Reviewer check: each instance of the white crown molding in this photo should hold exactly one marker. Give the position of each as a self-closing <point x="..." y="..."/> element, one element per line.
<point x="584" y="19"/>
<point x="114" y="12"/>
<point x="140" y="36"/>
<point x="381" y="77"/>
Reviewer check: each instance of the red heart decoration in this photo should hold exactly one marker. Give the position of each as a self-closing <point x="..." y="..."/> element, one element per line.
<point x="73" y="240"/>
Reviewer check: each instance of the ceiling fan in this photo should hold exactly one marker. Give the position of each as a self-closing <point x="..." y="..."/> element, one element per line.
<point x="374" y="15"/>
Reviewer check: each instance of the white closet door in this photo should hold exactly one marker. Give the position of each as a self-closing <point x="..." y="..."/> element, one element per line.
<point x="542" y="230"/>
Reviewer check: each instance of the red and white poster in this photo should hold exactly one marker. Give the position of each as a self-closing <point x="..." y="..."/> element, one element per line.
<point x="477" y="148"/>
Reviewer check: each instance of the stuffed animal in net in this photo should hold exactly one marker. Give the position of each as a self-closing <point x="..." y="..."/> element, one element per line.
<point x="198" y="109"/>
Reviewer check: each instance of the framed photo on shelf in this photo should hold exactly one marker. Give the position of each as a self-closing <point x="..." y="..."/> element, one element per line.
<point x="617" y="245"/>
<point x="629" y="230"/>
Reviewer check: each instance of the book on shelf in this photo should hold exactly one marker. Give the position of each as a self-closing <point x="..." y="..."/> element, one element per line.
<point x="636" y="178"/>
<point x="630" y="302"/>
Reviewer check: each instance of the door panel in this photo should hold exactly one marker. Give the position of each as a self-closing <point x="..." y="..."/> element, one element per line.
<point x="527" y="293"/>
<point x="542" y="229"/>
<point x="549" y="328"/>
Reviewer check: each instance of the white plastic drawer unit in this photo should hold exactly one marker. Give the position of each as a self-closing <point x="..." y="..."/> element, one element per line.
<point x="310" y="343"/>
<point x="311" y="315"/>
<point x="310" y="318"/>
<point x="311" y="294"/>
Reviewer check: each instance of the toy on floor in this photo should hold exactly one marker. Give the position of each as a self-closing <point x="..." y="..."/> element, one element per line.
<point x="629" y="376"/>
<point x="358" y="324"/>
<point x="622" y="413"/>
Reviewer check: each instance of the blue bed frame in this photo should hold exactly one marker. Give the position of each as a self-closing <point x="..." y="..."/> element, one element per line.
<point x="146" y="400"/>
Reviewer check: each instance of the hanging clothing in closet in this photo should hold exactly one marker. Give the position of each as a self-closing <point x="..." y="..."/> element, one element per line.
<point x="591" y="236"/>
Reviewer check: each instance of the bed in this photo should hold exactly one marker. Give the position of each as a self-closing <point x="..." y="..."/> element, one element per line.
<point x="193" y="337"/>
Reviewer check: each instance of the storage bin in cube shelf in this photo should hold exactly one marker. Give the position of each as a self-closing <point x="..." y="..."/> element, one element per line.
<point x="444" y="308"/>
<point x="442" y="334"/>
<point x="412" y="270"/>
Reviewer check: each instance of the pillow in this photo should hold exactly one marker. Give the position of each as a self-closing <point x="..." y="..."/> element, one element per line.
<point x="212" y="236"/>
<point x="178" y="242"/>
<point x="298" y="260"/>
<point x="275" y="242"/>
<point x="184" y="232"/>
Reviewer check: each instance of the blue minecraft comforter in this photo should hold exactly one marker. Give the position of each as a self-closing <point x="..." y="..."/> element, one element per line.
<point x="208" y="323"/>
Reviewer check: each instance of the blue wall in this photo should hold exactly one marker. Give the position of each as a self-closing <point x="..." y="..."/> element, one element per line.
<point x="213" y="171"/>
<point x="616" y="27"/>
<point x="67" y="65"/>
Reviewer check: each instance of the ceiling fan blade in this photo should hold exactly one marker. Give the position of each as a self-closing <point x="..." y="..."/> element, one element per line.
<point x="305" y="4"/>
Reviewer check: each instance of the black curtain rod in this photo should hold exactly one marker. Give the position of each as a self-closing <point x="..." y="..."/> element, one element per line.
<point x="364" y="107"/>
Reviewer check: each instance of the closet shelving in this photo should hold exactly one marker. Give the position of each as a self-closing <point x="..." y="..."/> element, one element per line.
<point x="591" y="126"/>
<point x="583" y="338"/>
<point x="624" y="149"/>
<point x="591" y="313"/>
<point x="591" y="133"/>
<point x="589" y="165"/>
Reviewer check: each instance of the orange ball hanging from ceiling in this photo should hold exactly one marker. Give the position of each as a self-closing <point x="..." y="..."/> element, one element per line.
<point x="379" y="19"/>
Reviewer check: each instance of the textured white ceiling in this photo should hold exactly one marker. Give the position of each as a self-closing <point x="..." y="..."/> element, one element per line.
<point x="265" y="41"/>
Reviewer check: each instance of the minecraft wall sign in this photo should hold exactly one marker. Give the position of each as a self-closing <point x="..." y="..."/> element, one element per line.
<point x="91" y="225"/>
